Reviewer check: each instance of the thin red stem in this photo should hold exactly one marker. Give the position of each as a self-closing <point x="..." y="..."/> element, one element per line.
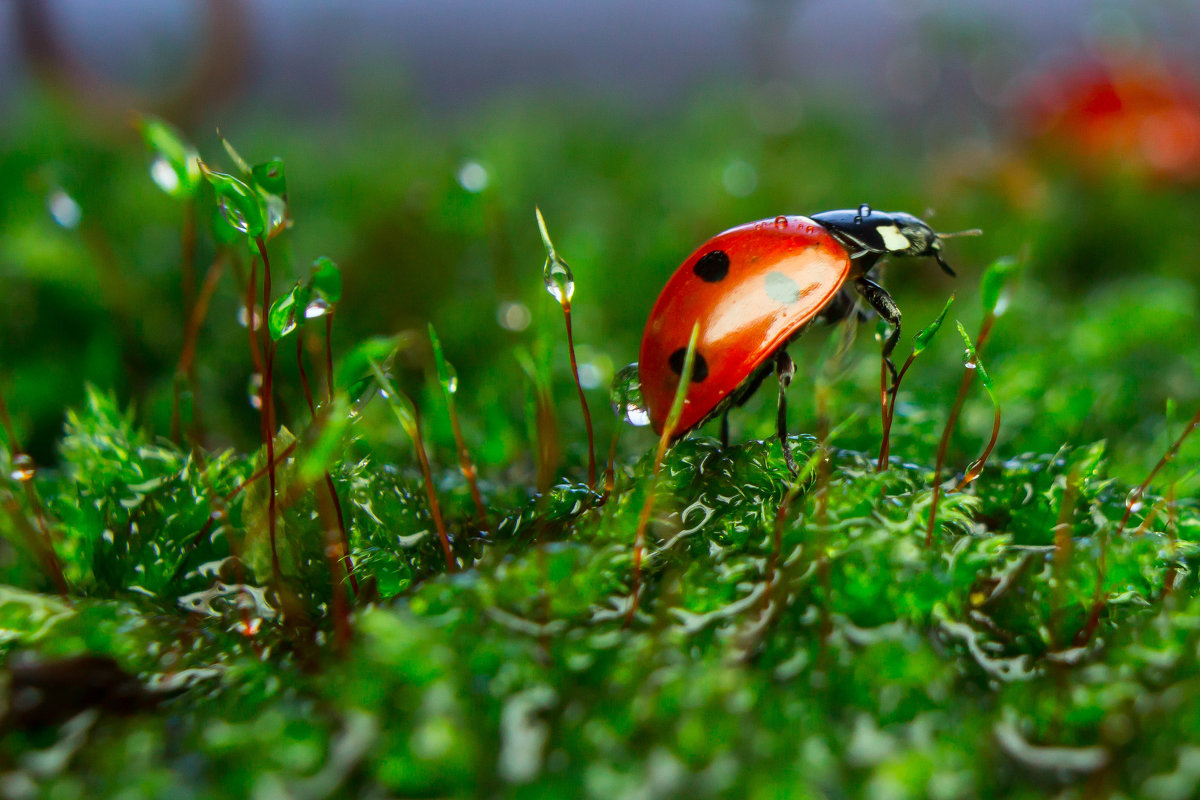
<point x="977" y="466"/>
<point x="467" y="465"/>
<point x="889" y="412"/>
<point x="587" y="415"/>
<point x="267" y="409"/>
<point x="49" y="557"/>
<point x="1131" y="502"/>
<point x="337" y="504"/>
<point x="435" y="507"/>
<point x="985" y="330"/>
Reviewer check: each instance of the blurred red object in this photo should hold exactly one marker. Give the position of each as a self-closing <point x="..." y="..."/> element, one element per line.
<point x="1135" y="116"/>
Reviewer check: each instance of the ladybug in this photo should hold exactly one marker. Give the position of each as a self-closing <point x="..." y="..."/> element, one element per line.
<point x="754" y="289"/>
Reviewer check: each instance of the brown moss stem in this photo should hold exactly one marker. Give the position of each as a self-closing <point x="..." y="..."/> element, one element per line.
<point x="587" y="414"/>
<point x="985" y="330"/>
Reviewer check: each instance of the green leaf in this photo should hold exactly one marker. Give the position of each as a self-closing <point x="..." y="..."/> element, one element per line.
<point x="238" y="161"/>
<point x="271" y="176"/>
<point x="401" y="405"/>
<point x="971" y="359"/>
<point x="445" y="371"/>
<point x="356" y="364"/>
<point x="926" y="334"/>
<point x="237" y="202"/>
<point x="282" y="318"/>
<point x="994" y="279"/>
<point x="327" y="279"/>
<point x="174" y="170"/>
<point x="685" y="380"/>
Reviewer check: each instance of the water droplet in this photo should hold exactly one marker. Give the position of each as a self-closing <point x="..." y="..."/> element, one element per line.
<point x="163" y="174"/>
<point x="243" y="317"/>
<point x="740" y="178"/>
<point x="864" y="210"/>
<point x="1002" y="305"/>
<point x="970" y="364"/>
<point x="254" y="390"/>
<point x="513" y="316"/>
<point x="22" y="468"/>
<point x="560" y="283"/>
<point x="232" y="214"/>
<point x="451" y="382"/>
<point x="781" y="221"/>
<point x="289" y="325"/>
<point x="64" y="209"/>
<point x="473" y="177"/>
<point x="626" y="397"/>
<point x="276" y="213"/>
<point x="1133" y="500"/>
<point x="317" y="307"/>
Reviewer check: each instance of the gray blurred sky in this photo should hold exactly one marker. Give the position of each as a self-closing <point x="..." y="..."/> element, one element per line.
<point x="311" y="56"/>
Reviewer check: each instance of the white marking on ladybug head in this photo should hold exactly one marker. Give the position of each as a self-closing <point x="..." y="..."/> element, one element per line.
<point x="893" y="239"/>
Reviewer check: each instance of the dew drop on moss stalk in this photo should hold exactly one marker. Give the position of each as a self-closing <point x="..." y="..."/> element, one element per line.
<point x="560" y="283"/>
<point x="232" y="215"/>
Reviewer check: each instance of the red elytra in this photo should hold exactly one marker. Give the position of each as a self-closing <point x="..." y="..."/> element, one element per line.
<point x="774" y="277"/>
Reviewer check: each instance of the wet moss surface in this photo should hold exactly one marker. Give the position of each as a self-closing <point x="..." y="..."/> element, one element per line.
<point x="846" y="657"/>
<point x="173" y="626"/>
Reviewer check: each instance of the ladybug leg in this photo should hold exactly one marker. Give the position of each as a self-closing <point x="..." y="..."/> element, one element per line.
<point x="886" y="307"/>
<point x="725" y="430"/>
<point x="785" y="370"/>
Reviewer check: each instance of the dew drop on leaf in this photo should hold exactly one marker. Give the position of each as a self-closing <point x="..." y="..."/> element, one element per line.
<point x="232" y="214"/>
<point x="164" y="175"/>
<point x="317" y="307"/>
<point x="626" y="397"/>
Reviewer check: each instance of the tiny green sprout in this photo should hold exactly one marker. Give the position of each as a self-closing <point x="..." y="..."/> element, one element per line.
<point x="972" y="362"/>
<point x="236" y="201"/>
<point x="560" y="283"/>
<point x="920" y="342"/>
<point x="327" y="279"/>
<point x="410" y="419"/>
<point x="664" y="441"/>
<point x="236" y="157"/>
<point x="446" y="374"/>
<point x="993" y="282"/>
<point x="448" y="378"/>
<point x="271" y="176"/>
<point x="175" y="169"/>
<point x="282" y="318"/>
<point x="355" y="366"/>
<point x="925" y="336"/>
<point x="971" y="358"/>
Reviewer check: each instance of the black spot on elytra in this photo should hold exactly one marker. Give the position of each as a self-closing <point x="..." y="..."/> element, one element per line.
<point x="699" y="365"/>
<point x="712" y="266"/>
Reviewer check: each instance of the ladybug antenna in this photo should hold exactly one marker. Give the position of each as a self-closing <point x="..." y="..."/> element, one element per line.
<point x="970" y="232"/>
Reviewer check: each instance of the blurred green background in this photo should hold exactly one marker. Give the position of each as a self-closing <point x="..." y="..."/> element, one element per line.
<point x="419" y="137"/>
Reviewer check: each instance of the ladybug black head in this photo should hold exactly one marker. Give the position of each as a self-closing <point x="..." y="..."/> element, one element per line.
<point x="863" y="231"/>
